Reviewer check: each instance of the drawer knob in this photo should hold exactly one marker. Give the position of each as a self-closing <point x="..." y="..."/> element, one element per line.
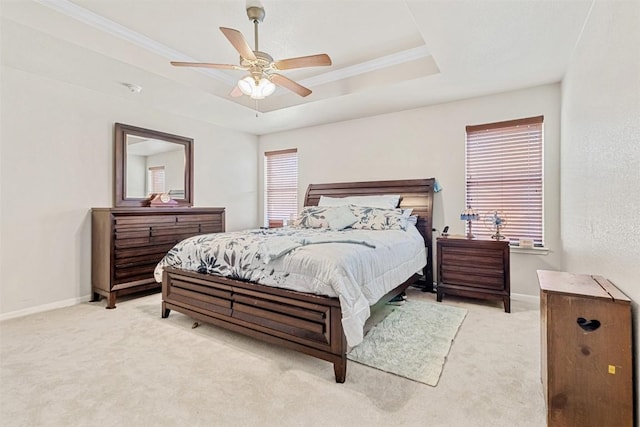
<point x="588" y="325"/>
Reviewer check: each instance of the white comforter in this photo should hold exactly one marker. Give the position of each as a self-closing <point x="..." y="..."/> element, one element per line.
<point x="357" y="266"/>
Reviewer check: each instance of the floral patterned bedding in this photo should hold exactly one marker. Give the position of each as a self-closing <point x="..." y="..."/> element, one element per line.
<point x="357" y="266"/>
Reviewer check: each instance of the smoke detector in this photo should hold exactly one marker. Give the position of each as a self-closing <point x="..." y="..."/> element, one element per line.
<point x="133" y="88"/>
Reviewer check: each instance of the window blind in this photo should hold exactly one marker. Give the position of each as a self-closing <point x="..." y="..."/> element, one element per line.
<point x="281" y="185"/>
<point x="504" y="172"/>
<point x="156" y="179"/>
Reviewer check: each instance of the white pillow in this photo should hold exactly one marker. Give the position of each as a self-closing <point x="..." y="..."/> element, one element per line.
<point x="385" y="201"/>
<point x="340" y="217"/>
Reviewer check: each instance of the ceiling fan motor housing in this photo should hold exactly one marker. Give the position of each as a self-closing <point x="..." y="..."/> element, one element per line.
<point x="255" y="13"/>
<point x="262" y="60"/>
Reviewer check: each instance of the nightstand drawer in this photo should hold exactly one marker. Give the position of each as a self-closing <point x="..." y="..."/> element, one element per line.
<point x="472" y="257"/>
<point x="475" y="278"/>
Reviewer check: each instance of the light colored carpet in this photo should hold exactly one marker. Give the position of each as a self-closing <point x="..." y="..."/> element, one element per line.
<point x="87" y="366"/>
<point x="412" y="341"/>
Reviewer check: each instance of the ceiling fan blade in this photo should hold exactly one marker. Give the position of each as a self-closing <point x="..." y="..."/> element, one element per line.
<point x="236" y="92"/>
<point x="285" y="82"/>
<point x="204" y="65"/>
<point x="237" y="40"/>
<point x="303" y="61"/>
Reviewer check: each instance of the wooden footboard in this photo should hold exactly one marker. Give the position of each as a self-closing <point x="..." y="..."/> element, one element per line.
<point x="307" y="323"/>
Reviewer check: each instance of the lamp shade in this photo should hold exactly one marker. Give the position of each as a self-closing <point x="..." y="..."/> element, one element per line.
<point x="256" y="90"/>
<point x="469" y="215"/>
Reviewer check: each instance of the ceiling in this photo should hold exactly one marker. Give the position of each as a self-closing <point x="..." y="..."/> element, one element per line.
<point x="388" y="55"/>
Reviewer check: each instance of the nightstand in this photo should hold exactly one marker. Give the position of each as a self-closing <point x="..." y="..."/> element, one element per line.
<point x="477" y="268"/>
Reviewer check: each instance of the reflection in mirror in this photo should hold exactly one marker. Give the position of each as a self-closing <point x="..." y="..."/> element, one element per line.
<point x="154" y="166"/>
<point x="149" y="162"/>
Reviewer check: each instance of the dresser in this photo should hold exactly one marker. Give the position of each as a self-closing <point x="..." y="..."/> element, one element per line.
<point x="477" y="268"/>
<point x="586" y="351"/>
<point x="127" y="244"/>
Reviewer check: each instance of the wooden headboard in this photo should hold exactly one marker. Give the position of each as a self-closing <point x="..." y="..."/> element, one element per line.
<point x="414" y="193"/>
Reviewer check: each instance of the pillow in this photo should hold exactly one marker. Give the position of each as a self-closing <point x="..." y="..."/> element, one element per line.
<point x="413" y="219"/>
<point x="379" y="219"/>
<point x="312" y="217"/>
<point x="340" y="217"/>
<point x="332" y="217"/>
<point x="387" y="201"/>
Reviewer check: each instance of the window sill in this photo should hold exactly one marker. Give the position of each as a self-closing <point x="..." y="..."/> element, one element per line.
<point x="530" y="251"/>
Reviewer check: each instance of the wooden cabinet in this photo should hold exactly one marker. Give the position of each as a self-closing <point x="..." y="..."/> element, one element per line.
<point x="127" y="243"/>
<point x="474" y="268"/>
<point x="586" y="360"/>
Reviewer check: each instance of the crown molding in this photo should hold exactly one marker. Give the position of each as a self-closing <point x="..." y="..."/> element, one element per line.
<point x="99" y="22"/>
<point x="368" y="66"/>
<point x="108" y="26"/>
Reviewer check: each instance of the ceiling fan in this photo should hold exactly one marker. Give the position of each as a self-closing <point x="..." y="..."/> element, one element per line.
<point x="263" y="70"/>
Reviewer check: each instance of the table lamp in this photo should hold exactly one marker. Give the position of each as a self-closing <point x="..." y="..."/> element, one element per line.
<point x="469" y="215"/>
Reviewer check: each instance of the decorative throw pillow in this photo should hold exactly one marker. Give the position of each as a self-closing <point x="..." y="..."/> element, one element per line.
<point x="380" y="219"/>
<point x="313" y="217"/>
<point x="332" y="217"/>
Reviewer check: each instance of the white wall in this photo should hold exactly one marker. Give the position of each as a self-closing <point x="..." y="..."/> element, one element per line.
<point x="601" y="152"/>
<point x="430" y="142"/>
<point x="57" y="163"/>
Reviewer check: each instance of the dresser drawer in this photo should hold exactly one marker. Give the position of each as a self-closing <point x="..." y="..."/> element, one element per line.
<point x="149" y="253"/>
<point x="142" y="233"/>
<point x="211" y="227"/>
<point x="143" y="220"/>
<point x="130" y="274"/>
<point x="176" y="230"/>
<point x="196" y="218"/>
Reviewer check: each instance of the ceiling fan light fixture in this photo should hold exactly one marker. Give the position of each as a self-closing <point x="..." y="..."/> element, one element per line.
<point x="263" y="77"/>
<point x="259" y="89"/>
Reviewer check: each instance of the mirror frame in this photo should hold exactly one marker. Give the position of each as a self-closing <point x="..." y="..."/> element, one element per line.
<point x="120" y="164"/>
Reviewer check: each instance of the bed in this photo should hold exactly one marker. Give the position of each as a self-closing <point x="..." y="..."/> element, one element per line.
<point x="302" y="321"/>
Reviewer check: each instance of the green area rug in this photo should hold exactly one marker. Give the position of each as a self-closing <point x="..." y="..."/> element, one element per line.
<point x="412" y="341"/>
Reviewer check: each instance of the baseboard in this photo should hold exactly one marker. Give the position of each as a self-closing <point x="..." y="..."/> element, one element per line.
<point x="44" y="307"/>
<point x="534" y="299"/>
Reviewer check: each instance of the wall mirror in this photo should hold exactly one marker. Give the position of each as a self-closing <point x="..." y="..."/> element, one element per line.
<point x="148" y="162"/>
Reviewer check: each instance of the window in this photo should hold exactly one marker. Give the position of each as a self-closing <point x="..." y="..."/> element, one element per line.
<point x="281" y="186"/>
<point x="156" y="179"/>
<point x="504" y="173"/>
